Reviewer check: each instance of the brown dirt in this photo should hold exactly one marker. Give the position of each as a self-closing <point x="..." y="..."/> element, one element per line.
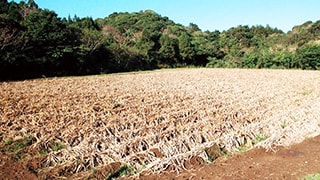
<point x="291" y="162"/>
<point x="11" y="169"/>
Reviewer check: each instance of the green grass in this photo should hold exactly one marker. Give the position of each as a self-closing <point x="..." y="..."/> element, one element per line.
<point x="56" y="146"/>
<point x="312" y="177"/>
<point x="123" y="171"/>
<point x="17" y="155"/>
<point x="17" y="147"/>
<point x="215" y="152"/>
<point x="8" y="142"/>
<point x="259" y="138"/>
<point x="224" y="154"/>
<point x="43" y="153"/>
<point x="242" y="149"/>
<point x="246" y="147"/>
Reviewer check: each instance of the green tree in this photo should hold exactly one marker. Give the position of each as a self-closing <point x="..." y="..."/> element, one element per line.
<point x="206" y="45"/>
<point x="11" y="37"/>
<point x="284" y="60"/>
<point x="186" y="49"/>
<point x="48" y="48"/>
<point x="3" y="6"/>
<point x="169" y="50"/>
<point x="44" y="28"/>
<point x="308" y="56"/>
<point x="194" y="27"/>
<point x="146" y="47"/>
<point x="83" y="23"/>
<point x="250" y="60"/>
<point x="315" y="29"/>
<point x="14" y="12"/>
<point x="32" y="4"/>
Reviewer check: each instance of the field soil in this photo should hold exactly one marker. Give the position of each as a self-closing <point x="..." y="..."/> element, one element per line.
<point x="182" y="120"/>
<point x="291" y="162"/>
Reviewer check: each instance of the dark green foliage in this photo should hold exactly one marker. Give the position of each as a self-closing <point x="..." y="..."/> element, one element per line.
<point x="44" y="30"/>
<point x="308" y="57"/>
<point x="46" y="43"/>
<point x="3" y="6"/>
<point x="186" y="49"/>
<point x="285" y="60"/>
<point x="169" y="50"/>
<point x="35" y="42"/>
<point x="14" y="12"/>
<point x="315" y="28"/>
<point x="194" y="27"/>
<point x="84" y="23"/>
<point x="32" y="4"/>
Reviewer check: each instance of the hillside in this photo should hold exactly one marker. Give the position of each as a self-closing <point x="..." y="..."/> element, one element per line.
<point x="35" y="42"/>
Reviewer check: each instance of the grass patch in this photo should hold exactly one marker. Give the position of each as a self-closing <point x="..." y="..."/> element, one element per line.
<point x="56" y="146"/>
<point x="250" y="143"/>
<point x="215" y="152"/>
<point x="260" y="138"/>
<point x="17" y="155"/>
<point x="123" y="171"/>
<point x="312" y="177"/>
<point x="43" y="153"/>
<point x="307" y="92"/>
<point x="8" y="142"/>
<point x="18" y="147"/>
<point x="224" y="153"/>
<point x="242" y="149"/>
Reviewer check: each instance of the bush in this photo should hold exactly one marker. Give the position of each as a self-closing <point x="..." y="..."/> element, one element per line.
<point x="308" y="57"/>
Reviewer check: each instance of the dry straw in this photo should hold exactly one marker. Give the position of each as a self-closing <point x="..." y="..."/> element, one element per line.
<point x="159" y="120"/>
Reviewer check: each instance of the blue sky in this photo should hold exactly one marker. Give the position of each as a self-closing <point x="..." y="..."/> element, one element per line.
<point x="207" y="14"/>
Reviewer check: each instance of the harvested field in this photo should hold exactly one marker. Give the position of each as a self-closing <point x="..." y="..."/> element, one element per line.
<point x="154" y="121"/>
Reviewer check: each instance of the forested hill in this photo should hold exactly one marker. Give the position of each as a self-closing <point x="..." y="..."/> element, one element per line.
<point x="35" y="42"/>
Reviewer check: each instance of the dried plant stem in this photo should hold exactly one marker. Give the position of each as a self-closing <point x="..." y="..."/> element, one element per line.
<point x="160" y="120"/>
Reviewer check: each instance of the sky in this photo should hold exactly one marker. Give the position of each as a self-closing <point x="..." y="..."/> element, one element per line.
<point x="207" y="14"/>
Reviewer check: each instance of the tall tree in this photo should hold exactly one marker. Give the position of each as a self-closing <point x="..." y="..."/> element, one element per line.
<point x="309" y="57"/>
<point x="3" y="6"/>
<point x="186" y="49"/>
<point x="169" y="49"/>
<point x="32" y="4"/>
<point x="194" y="27"/>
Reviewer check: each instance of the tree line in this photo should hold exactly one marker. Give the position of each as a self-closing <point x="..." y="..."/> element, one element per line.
<point x="35" y="42"/>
